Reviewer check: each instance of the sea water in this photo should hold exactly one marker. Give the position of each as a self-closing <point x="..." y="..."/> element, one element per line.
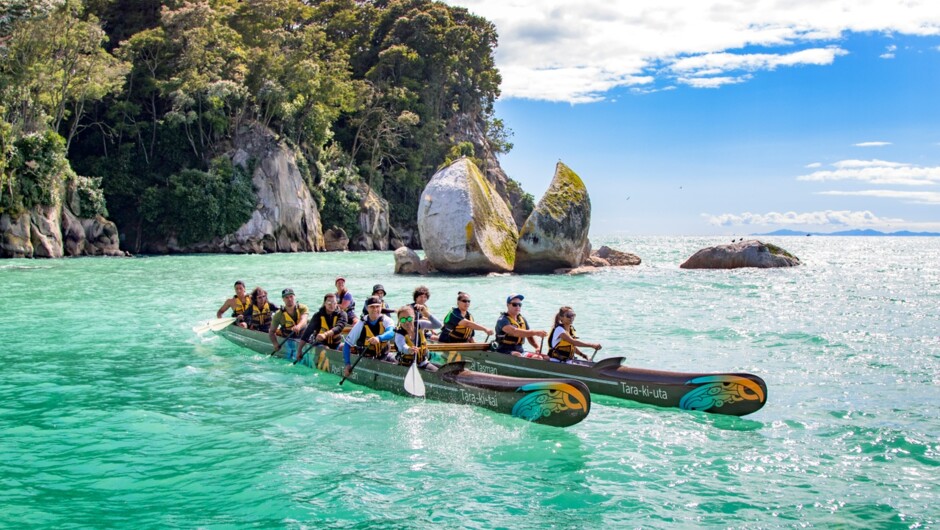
<point x="113" y="413"/>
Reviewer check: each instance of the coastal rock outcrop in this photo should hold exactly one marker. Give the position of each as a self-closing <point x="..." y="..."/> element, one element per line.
<point x="556" y="232"/>
<point x="373" y="221"/>
<point x="751" y="253"/>
<point x="335" y="240"/>
<point x="616" y="258"/>
<point x="407" y="261"/>
<point x="286" y="218"/>
<point x="58" y="231"/>
<point x="464" y="224"/>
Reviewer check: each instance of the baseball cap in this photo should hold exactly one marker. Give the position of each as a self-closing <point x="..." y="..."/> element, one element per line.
<point x="519" y="296"/>
<point x="338" y="278"/>
<point x="373" y="300"/>
<point x="287" y="292"/>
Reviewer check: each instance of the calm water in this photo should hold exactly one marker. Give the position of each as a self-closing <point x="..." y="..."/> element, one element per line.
<point x="114" y="414"/>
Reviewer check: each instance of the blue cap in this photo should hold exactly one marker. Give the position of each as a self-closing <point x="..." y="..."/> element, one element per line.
<point x="519" y="296"/>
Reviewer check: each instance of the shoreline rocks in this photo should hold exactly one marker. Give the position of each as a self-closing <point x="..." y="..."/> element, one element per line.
<point x="751" y="253"/>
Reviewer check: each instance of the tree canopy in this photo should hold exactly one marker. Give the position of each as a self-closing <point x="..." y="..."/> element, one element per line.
<point x="147" y="94"/>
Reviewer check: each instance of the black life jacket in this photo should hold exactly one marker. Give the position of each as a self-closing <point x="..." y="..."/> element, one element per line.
<point x="456" y="332"/>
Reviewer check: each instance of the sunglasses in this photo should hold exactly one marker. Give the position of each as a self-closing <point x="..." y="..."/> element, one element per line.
<point x="516" y="304"/>
<point x="464" y="301"/>
<point x="570" y="315"/>
<point x="405" y="320"/>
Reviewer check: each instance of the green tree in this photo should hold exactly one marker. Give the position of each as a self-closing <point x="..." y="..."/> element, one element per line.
<point x="55" y="65"/>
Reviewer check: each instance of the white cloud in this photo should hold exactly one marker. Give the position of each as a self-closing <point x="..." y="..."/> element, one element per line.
<point x="828" y="220"/>
<point x="822" y="218"/>
<point x="916" y="197"/>
<point x="558" y="50"/>
<point x="872" y="144"/>
<point x="889" y="52"/>
<point x="877" y="172"/>
<point x="814" y="165"/>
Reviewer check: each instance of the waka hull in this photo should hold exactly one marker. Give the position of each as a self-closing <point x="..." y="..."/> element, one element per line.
<point x="547" y="401"/>
<point x="735" y="394"/>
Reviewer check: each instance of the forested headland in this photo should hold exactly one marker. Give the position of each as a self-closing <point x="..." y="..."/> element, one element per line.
<point x="129" y="109"/>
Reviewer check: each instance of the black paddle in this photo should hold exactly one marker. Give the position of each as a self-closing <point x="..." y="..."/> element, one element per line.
<point x="304" y="352"/>
<point x="287" y="338"/>
<point x="351" y="368"/>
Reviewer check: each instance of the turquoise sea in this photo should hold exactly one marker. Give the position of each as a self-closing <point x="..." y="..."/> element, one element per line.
<point x="113" y="413"/>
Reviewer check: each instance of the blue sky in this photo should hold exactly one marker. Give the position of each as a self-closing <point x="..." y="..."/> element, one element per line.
<point x="728" y="118"/>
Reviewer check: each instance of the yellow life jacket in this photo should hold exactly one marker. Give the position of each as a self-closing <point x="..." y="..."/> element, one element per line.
<point x="289" y="322"/>
<point x="564" y="350"/>
<point x="456" y="332"/>
<point x="325" y="326"/>
<point x="240" y="307"/>
<point x="368" y="331"/>
<point x="260" y="316"/>
<point x="405" y="358"/>
<point x="510" y="340"/>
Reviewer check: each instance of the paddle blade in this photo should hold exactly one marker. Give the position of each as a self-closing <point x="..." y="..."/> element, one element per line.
<point x="414" y="384"/>
<point x="216" y="324"/>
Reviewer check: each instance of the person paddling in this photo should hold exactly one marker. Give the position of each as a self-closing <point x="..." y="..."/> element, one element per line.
<point x="459" y="325"/>
<point x="289" y="322"/>
<point x="406" y="334"/>
<point x="563" y="344"/>
<point x="259" y="314"/>
<point x="238" y="304"/>
<point x="378" y="291"/>
<point x="326" y="326"/>
<point x="370" y="336"/>
<point x="512" y="330"/>
<point x="346" y="301"/>
<point x="420" y="296"/>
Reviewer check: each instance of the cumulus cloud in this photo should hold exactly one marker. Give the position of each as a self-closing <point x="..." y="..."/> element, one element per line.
<point x="916" y="197"/>
<point x="877" y="172"/>
<point x="872" y="144"/>
<point x="576" y="52"/>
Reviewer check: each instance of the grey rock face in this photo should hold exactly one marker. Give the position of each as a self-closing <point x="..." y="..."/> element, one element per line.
<point x="463" y="223"/>
<point x="556" y="233"/>
<point x="751" y="253"/>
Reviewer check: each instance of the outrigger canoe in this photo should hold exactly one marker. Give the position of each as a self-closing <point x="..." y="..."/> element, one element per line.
<point x="552" y="401"/>
<point x="734" y="394"/>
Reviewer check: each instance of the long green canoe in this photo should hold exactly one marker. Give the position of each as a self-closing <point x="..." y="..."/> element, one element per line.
<point x="734" y="394"/>
<point x="547" y="401"/>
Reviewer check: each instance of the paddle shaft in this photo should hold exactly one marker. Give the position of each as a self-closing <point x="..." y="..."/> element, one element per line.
<point x="304" y="352"/>
<point x="351" y="368"/>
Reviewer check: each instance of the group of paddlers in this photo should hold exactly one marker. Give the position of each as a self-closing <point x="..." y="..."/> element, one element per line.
<point x="293" y="328"/>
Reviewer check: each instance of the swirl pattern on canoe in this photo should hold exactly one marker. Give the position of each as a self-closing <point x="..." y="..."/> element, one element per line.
<point x="717" y="390"/>
<point x="546" y="398"/>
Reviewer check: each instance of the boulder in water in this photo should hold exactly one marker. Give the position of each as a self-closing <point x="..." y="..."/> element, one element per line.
<point x="556" y="232"/>
<point x="464" y="225"/>
<point x="751" y="253"/>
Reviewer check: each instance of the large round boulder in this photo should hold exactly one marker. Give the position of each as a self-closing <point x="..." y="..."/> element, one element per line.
<point x="464" y="225"/>
<point x="556" y="232"/>
<point x="751" y="253"/>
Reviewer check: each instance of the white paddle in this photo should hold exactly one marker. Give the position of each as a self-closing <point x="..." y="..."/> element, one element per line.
<point x="414" y="384"/>
<point x="216" y="324"/>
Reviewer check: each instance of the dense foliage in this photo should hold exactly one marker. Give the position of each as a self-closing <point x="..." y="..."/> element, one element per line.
<point x="148" y="95"/>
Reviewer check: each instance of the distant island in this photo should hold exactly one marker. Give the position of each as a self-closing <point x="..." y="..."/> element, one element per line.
<point x="902" y="233"/>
